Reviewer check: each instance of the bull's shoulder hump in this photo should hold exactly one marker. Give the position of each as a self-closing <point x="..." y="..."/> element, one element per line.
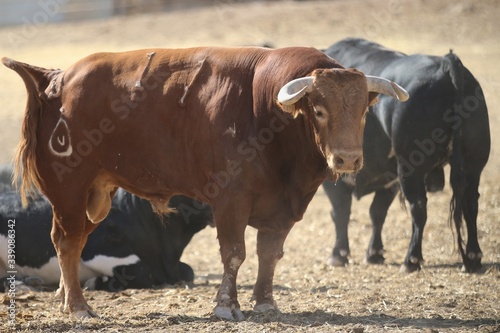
<point x="138" y="57"/>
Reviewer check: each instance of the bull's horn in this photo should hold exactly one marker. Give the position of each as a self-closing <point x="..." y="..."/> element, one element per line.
<point x="387" y="87"/>
<point x="295" y="90"/>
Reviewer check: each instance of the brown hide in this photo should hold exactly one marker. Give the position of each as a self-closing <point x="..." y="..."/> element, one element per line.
<point x="203" y="122"/>
<point x="194" y="116"/>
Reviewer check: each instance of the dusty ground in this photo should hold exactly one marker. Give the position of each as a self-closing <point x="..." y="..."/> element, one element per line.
<point x="312" y="296"/>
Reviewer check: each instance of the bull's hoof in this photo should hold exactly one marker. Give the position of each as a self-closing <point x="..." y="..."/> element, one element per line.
<point x="409" y="268"/>
<point x="60" y="293"/>
<point x="265" y="307"/>
<point x="411" y="265"/>
<point x="375" y="257"/>
<point x="81" y="314"/>
<point x="472" y="263"/>
<point x="473" y="269"/>
<point x="339" y="258"/>
<point x="227" y="313"/>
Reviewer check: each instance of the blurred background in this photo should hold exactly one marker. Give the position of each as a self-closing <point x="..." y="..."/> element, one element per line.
<point x="20" y="11"/>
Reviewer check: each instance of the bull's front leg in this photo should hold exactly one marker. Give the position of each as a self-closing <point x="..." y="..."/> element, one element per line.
<point x="269" y="251"/>
<point x="231" y="224"/>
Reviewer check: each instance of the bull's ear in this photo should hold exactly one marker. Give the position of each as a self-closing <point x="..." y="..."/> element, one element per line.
<point x="292" y="109"/>
<point x="372" y="98"/>
<point x="291" y="93"/>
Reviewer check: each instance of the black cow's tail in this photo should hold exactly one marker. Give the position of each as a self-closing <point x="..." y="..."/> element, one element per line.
<point x="454" y="68"/>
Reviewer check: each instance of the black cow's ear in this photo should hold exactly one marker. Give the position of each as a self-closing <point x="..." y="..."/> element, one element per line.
<point x="372" y="98"/>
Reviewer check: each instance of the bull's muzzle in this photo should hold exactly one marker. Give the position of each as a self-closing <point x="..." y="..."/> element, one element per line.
<point x="346" y="161"/>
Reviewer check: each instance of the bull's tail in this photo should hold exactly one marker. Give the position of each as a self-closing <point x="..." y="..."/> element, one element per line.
<point x="453" y="66"/>
<point x="36" y="80"/>
<point x="457" y="181"/>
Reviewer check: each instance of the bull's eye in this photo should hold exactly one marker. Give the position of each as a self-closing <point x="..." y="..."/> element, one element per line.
<point x="319" y="113"/>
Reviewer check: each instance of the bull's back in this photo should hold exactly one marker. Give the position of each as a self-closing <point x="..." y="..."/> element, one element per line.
<point x="149" y="115"/>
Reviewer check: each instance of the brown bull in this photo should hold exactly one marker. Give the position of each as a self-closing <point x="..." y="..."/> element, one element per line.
<point x="251" y="131"/>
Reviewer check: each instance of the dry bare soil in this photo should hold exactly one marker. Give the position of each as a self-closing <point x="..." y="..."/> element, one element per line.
<point x="311" y="295"/>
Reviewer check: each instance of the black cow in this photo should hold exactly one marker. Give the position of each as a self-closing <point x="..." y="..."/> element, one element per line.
<point x="407" y="145"/>
<point x="134" y="247"/>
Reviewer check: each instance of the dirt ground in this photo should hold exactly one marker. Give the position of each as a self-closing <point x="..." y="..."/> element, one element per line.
<point x="312" y="296"/>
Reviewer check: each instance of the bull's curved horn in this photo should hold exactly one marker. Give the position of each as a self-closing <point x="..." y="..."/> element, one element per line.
<point x="295" y="90"/>
<point x="387" y="87"/>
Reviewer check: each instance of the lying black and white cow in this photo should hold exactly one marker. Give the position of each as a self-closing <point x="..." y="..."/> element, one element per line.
<point x="406" y="146"/>
<point x="132" y="248"/>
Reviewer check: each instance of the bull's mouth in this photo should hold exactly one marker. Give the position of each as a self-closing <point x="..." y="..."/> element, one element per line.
<point x="345" y="164"/>
<point x="334" y="175"/>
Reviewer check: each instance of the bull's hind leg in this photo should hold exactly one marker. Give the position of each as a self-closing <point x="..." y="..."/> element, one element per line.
<point x="473" y="254"/>
<point x="70" y="229"/>
<point x="269" y="251"/>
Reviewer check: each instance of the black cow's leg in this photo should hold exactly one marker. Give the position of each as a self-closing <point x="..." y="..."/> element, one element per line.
<point x="413" y="188"/>
<point x="340" y="195"/>
<point x="269" y="251"/>
<point x="473" y="254"/>
<point x="378" y="212"/>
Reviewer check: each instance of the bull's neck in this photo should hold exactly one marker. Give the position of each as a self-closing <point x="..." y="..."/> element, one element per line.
<point x="302" y="167"/>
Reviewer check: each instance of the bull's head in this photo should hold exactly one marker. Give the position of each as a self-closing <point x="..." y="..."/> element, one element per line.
<point x="336" y="101"/>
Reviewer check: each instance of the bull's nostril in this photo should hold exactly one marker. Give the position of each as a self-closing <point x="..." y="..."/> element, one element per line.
<point x="357" y="163"/>
<point x="339" y="161"/>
